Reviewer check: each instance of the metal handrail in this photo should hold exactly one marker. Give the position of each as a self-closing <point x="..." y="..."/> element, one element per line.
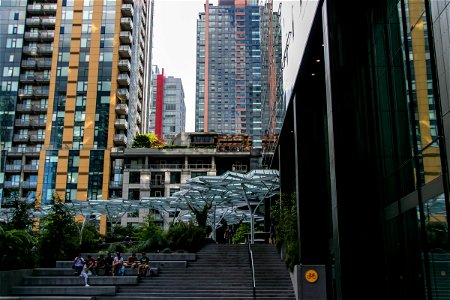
<point x="252" y="266"/>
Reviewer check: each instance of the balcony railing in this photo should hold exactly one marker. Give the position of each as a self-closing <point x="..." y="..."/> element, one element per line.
<point x="121" y="124"/>
<point x="123" y="79"/>
<point x="30" y="168"/>
<point x="120" y="139"/>
<point x="125" y="51"/>
<point x="126" y="37"/>
<point x="13" y="168"/>
<point x="122" y="109"/>
<point x="126" y="23"/>
<point x="123" y="94"/>
<point x="124" y="65"/>
<point x="127" y="10"/>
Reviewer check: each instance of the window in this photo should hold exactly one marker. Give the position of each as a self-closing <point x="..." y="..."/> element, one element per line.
<point x="196" y="174"/>
<point x="133" y="194"/>
<point x="135" y="177"/>
<point x="175" y="177"/>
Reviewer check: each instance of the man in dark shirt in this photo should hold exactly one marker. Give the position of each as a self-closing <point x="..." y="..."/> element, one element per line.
<point x="108" y="264"/>
<point x="144" y="265"/>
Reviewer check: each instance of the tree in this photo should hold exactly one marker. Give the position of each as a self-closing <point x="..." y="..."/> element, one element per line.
<point x="16" y="249"/>
<point x="22" y="217"/>
<point x="147" y="140"/>
<point x="59" y="235"/>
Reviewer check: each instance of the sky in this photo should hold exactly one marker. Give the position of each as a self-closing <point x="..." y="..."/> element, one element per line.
<point x="174" y="45"/>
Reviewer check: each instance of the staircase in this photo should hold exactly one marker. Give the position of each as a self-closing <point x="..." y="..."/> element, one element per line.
<point x="272" y="278"/>
<point x="220" y="272"/>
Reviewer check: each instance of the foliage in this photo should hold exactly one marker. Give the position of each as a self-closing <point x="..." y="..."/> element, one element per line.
<point x="147" y="140"/>
<point x="90" y="238"/>
<point x="22" y="217"/>
<point x="285" y="214"/>
<point x="151" y="237"/>
<point x="239" y="235"/>
<point x="16" y="249"/>
<point x="200" y="210"/>
<point x="59" y="235"/>
<point x="188" y="237"/>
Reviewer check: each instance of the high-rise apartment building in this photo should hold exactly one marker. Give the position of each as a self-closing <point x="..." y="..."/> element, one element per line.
<point x="168" y="111"/>
<point x="239" y="69"/>
<point x="73" y="86"/>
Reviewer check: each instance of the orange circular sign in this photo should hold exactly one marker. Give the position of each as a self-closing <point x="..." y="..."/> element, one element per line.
<point x="311" y="276"/>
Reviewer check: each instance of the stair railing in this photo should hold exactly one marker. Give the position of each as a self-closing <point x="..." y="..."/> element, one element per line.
<point x="252" y="267"/>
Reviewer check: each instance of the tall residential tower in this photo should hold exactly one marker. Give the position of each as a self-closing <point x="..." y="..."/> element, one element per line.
<point x="74" y="77"/>
<point x="238" y="69"/>
<point x="168" y="111"/>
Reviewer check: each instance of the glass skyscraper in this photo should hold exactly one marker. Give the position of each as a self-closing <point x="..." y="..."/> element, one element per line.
<point x="74" y="76"/>
<point x="238" y="69"/>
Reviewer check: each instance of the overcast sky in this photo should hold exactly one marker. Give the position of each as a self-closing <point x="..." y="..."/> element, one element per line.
<point x="174" y="45"/>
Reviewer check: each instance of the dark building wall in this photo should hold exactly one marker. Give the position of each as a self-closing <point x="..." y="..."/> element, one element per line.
<point x="354" y="150"/>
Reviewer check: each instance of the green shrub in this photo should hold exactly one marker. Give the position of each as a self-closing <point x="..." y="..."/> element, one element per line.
<point x="188" y="237"/>
<point x="285" y="213"/>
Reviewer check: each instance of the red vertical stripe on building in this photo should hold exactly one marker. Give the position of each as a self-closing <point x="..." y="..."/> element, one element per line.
<point x="159" y="105"/>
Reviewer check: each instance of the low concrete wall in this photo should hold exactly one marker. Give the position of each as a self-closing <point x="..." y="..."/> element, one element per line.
<point x="11" y="278"/>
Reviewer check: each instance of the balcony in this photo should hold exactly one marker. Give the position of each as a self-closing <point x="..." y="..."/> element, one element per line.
<point x="125" y="51"/>
<point x="31" y="36"/>
<point x="45" y="49"/>
<point x="30" y="168"/>
<point x="15" y="151"/>
<point x="32" y="151"/>
<point x="123" y="94"/>
<point x="22" y="123"/>
<point x="44" y="63"/>
<point x="126" y="23"/>
<point x="38" y="122"/>
<point x="48" y="22"/>
<point x="41" y="8"/>
<point x="21" y="138"/>
<point x="13" y="168"/>
<point x="42" y="77"/>
<point x="39" y="107"/>
<point x="120" y="139"/>
<point x="29" y="64"/>
<point x="11" y="184"/>
<point x="121" y="124"/>
<point x="30" y="50"/>
<point x="23" y="108"/>
<point x="127" y="10"/>
<point x="33" y="22"/>
<point x="49" y="8"/>
<point x="40" y="138"/>
<point x="124" y="65"/>
<point x="27" y="78"/>
<point x="122" y="109"/>
<point x="123" y="79"/>
<point x="47" y="35"/>
<point x="29" y="184"/>
<point x="40" y="92"/>
<point x="25" y="93"/>
<point x="126" y="37"/>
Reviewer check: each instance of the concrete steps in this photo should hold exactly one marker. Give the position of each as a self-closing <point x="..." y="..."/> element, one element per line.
<point x="220" y="272"/>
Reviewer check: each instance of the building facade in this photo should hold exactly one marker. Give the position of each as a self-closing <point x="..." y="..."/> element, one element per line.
<point x="364" y="145"/>
<point x="239" y="69"/>
<point x="143" y="172"/>
<point x="73" y="86"/>
<point x="168" y="111"/>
